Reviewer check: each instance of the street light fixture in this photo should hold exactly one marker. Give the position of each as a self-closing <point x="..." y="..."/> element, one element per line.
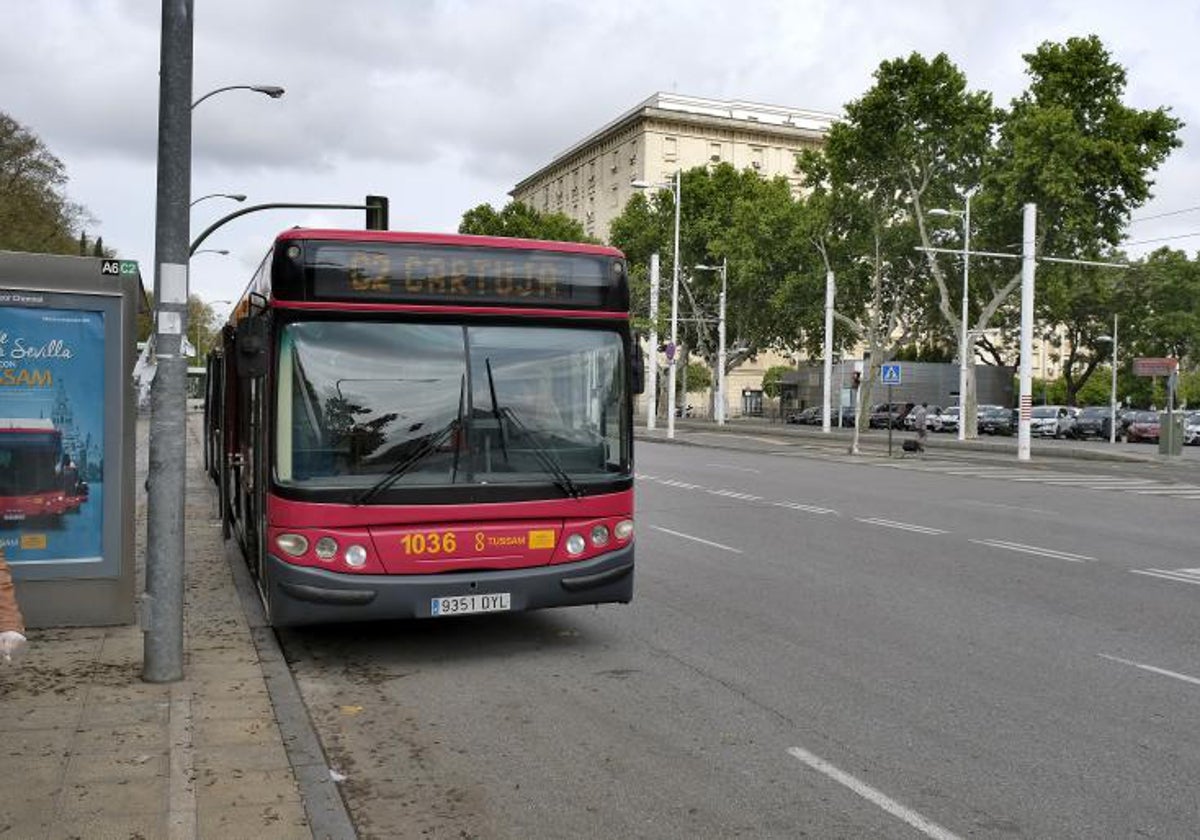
<point x="233" y="196"/>
<point x="723" y="268"/>
<point x="1112" y="402"/>
<point x="674" y="345"/>
<point x="965" y="346"/>
<point x="273" y="91"/>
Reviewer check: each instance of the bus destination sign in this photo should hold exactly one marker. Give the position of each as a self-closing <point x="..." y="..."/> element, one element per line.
<point x="407" y="273"/>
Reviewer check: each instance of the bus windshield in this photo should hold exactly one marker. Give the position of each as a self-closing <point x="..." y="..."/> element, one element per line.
<point x="28" y="461"/>
<point x="371" y="406"/>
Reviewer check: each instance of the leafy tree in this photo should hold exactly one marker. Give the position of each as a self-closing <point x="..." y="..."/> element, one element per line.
<point x="773" y="378"/>
<point x="35" y="215"/>
<point x="725" y="214"/>
<point x="522" y="221"/>
<point x="1073" y="147"/>
<point x="698" y="378"/>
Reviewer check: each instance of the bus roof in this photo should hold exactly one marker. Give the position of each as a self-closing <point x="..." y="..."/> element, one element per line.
<point x="461" y="239"/>
<point x="40" y="424"/>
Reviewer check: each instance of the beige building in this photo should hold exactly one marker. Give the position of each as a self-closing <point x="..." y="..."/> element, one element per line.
<point x="591" y="181"/>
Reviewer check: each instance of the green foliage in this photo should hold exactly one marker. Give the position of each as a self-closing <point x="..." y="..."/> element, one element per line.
<point x="523" y="222"/>
<point x="725" y="214"/>
<point x="35" y="215"/>
<point x="772" y="378"/>
<point x="699" y="378"/>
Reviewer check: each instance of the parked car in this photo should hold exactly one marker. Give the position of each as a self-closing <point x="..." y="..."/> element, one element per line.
<point x="1191" y="428"/>
<point x="1143" y="426"/>
<point x="885" y="414"/>
<point x="995" y="420"/>
<point x="948" y="419"/>
<point x="803" y="416"/>
<point x="1093" y="421"/>
<point x="1051" y="421"/>
<point x="932" y="423"/>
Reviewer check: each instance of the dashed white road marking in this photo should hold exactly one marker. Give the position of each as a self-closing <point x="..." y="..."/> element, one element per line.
<point x="1038" y="550"/>
<point x="697" y="539"/>
<point x="1180" y="575"/>
<point x="1152" y="669"/>
<point x="875" y="797"/>
<point x="805" y="508"/>
<point x="732" y="494"/>
<point x="903" y="526"/>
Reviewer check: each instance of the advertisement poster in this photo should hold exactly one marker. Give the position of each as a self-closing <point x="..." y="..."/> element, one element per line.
<point x="51" y="434"/>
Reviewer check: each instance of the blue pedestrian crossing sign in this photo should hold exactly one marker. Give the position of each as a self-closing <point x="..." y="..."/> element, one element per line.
<point x="889" y="373"/>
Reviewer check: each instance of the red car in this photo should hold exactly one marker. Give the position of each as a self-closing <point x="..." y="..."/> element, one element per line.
<point x="1143" y="427"/>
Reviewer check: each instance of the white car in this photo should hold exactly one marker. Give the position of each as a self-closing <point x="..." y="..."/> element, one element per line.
<point x="948" y="420"/>
<point x="1051" y="421"/>
<point x="1191" y="429"/>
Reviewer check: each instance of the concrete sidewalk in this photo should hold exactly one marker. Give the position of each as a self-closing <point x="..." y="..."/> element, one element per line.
<point x="90" y="751"/>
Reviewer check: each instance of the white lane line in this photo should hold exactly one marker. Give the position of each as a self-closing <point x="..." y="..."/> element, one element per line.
<point x="1033" y="549"/>
<point x="875" y="797"/>
<point x="1043" y="511"/>
<point x="903" y="526"/>
<point x="1163" y="491"/>
<point x="1180" y="575"/>
<point x="731" y="467"/>
<point x="1173" y="674"/>
<point x="697" y="539"/>
<point x="732" y="494"/>
<point x="670" y="482"/>
<point x="805" y="508"/>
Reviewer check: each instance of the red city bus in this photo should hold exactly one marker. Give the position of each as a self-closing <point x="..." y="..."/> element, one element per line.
<point x="35" y="479"/>
<point x="418" y="425"/>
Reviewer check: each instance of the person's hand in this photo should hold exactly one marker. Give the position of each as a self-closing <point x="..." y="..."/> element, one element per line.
<point x="11" y="643"/>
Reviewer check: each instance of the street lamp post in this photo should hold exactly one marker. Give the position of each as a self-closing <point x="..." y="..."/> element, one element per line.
<point x="674" y="346"/>
<point x="273" y="91"/>
<point x="966" y="349"/>
<point x="723" y="268"/>
<point x="1112" y="401"/>
<point x="232" y="196"/>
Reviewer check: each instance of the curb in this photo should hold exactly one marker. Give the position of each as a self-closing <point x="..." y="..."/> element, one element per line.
<point x="323" y="803"/>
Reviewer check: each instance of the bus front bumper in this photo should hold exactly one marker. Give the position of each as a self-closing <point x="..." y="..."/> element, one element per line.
<point x="304" y="595"/>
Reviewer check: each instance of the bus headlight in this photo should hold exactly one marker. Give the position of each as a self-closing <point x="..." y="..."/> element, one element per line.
<point x="576" y="544"/>
<point x="624" y="529"/>
<point x="293" y="544"/>
<point x="599" y="536"/>
<point x="355" y="557"/>
<point x="326" y="548"/>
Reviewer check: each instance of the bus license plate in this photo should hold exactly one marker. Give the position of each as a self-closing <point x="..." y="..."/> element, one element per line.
<point x="470" y="604"/>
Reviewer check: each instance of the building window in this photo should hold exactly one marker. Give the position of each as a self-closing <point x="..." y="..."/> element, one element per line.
<point x="714" y="152"/>
<point x="670" y="148"/>
<point x="756" y="157"/>
<point x="616" y="161"/>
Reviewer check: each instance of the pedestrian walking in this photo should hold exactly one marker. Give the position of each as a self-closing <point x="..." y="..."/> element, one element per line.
<point x="12" y="625"/>
<point x="920" y="413"/>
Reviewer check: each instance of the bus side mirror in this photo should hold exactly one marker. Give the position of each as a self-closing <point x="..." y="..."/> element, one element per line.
<point x="250" y="344"/>
<point x="637" y="371"/>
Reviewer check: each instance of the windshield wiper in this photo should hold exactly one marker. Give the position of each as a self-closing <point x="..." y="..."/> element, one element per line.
<point x="545" y="457"/>
<point x="401" y="467"/>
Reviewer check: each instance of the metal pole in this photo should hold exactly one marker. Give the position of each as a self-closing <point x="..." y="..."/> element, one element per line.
<point x="827" y="397"/>
<point x="889" y="421"/>
<point x="673" y="361"/>
<point x="1027" y="273"/>
<point x="963" y="350"/>
<point x="721" y="345"/>
<point x="652" y="399"/>
<point x="162" y="618"/>
<point x="1112" y="422"/>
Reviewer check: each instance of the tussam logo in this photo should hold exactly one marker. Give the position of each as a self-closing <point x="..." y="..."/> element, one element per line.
<point x="118" y="267"/>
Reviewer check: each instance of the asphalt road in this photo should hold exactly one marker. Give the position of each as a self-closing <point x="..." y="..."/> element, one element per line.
<point x="818" y="647"/>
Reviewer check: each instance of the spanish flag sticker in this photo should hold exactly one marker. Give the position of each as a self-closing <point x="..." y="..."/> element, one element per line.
<point x="541" y="539"/>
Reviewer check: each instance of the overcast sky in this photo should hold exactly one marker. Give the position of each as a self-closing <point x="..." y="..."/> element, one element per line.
<point x="446" y="105"/>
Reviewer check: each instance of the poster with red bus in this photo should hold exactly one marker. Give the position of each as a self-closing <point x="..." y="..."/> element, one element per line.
<point x="51" y="433"/>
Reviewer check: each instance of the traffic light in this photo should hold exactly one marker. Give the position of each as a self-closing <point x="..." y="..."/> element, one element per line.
<point x="377" y="212"/>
